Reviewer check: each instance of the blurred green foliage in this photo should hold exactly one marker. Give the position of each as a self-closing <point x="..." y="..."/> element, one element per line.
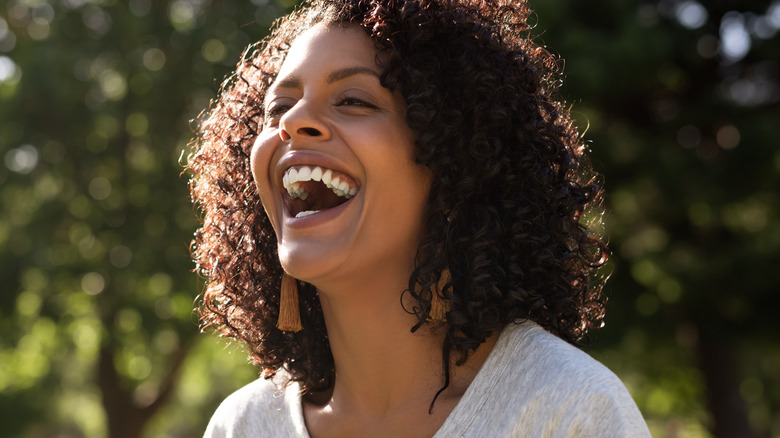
<point x="680" y="100"/>
<point x="98" y="333"/>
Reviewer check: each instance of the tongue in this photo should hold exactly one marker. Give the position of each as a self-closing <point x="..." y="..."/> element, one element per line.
<point x="320" y="198"/>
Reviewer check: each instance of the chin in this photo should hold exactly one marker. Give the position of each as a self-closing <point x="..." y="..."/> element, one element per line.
<point x="312" y="261"/>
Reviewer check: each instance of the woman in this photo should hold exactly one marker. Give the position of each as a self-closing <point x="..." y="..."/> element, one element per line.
<point x="393" y="225"/>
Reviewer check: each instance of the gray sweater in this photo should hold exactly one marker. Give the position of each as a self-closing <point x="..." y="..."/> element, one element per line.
<point x="532" y="384"/>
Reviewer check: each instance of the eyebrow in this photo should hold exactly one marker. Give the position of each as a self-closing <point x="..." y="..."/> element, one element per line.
<point x="350" y="71"/>
<point x="338" y="75"/>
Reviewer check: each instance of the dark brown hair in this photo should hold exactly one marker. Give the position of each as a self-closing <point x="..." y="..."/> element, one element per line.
<point x="505" y="210"/>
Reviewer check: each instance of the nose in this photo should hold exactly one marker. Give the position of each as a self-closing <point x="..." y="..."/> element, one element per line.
<point x="303" y="121"/>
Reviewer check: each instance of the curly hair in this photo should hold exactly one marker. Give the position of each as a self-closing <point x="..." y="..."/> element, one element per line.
<point x="505" y="213"/>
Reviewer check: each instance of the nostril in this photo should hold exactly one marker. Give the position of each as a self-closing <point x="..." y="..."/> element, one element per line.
<point x="310" y="131"/>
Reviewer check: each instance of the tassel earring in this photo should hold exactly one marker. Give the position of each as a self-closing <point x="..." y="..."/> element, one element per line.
<point x="289" y="311"/>
<point x="439" y="306"/>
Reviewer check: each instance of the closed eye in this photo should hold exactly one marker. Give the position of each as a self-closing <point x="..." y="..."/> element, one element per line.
<point x="274" y="112"/>
<point x="354" y="101"/>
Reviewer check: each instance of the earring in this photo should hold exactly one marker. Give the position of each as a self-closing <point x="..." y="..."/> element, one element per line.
<point x="439" y="306"/>
<point x="289" y="311"/>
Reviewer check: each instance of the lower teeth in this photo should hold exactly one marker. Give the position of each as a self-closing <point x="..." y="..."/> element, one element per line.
<point x="306" y="213"/>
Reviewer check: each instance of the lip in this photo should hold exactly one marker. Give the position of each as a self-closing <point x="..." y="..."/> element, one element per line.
<point x="310" y="158"/>
<point x="317" y="218"/>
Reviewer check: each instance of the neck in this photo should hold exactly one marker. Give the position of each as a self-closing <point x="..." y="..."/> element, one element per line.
<point x="379" y="363"/>
<point x="382" y="368"/>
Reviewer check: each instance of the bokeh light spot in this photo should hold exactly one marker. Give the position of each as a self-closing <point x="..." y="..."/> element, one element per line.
<point x="761" y="27"/>
<point x="96" y="19"/>
<point x="182" y="15"/>
<point x="154" y="59"/>
<point x="127" y="320"/>
<point x="160" y="284"/>
<point x="38" y="29"/>
<point x="645" y="272"/>
<point x="773" y="14"/>
<point x="707" y="46"/>
<point x="107" y="125"/>
<point x="728" y="137"/>
<point x="28" y="304"/>
<point x="213" y="51"/>
<point x="691" y="14"/>
<point x="99" y="188"/>
<point x="22" y="159"/>
<point x="140" y="8"/>
<point x="120" y="256"/>
<point x="86" y="337"/>
<point x="139" y="367"/>
<point x="734" y="37"/>
<point x="3" y="28"/>
<point x="688" y="136"/>
<point x="7" y="69"/>
<point x="113" y="84"/>
<point x="93" y="283"/>
<point x="141" y="157"/>
<point x="166" y="341"/>
<point x="7" y="42"/>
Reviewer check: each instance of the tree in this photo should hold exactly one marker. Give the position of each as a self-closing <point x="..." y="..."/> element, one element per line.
<point x="681" y="101"/>
<point x="97" y="98"/>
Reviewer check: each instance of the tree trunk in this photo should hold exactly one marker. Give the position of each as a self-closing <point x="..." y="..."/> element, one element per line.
<point x="125" y="419"/>
<point x="721" y="375"/>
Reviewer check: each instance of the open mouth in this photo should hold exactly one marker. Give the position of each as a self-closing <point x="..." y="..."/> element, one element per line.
<point x="312" y="189"/>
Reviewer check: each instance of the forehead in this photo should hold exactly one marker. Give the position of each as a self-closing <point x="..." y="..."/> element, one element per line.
<point x="324" y="48"/>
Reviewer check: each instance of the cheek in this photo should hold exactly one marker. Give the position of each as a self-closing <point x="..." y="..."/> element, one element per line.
<point x="419" y="197"/>
<point x="262" y="153"/>
<point x="263" y="150"/>
<point x="407" y="184"/>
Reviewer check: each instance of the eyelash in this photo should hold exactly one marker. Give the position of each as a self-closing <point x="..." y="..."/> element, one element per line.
<point x="354" y="101"/>
<point x="275" y="110"/>
<point x="278" y="110"/>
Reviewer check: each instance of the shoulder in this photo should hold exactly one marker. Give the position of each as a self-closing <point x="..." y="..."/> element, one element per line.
<point x="583" y="396"/>
<point x="535" y="384"/>
<point x="259" y="409"/>
<point x="533" y="353"/>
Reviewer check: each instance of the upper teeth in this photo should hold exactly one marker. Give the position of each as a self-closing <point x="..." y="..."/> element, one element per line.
<point x="293" y="177"/>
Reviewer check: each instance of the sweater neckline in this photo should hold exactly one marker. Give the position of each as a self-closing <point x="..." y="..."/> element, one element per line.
<point x="478" y="392"/>
<point x="470" y="404"/>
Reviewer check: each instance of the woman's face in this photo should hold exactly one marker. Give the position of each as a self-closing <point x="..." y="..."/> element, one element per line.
<point x="334" y="164"/>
